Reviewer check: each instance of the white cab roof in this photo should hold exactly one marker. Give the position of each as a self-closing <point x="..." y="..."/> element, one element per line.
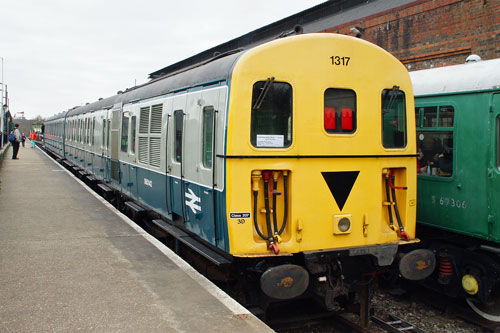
<point x="473" y="76"/>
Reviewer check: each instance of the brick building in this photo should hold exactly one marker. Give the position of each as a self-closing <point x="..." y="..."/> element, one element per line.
<point x="432" y="33"/>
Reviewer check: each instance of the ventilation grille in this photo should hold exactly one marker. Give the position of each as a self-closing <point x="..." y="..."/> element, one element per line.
<point x="144" y="121"/>
<point x="156" y="119"/>
<point x="143" y="150"/>
<point x="154" y="151"/>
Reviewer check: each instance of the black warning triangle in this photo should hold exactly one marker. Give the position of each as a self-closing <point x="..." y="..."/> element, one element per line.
<point x="340" y="184"/>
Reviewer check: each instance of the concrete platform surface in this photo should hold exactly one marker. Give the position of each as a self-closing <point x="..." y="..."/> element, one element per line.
<point x="71" y="262"/>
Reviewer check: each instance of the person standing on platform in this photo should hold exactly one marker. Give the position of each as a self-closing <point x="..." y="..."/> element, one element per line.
<point x="33" y="139"/>
<point x="15" y="144"/>
<point x="23" y="137"/>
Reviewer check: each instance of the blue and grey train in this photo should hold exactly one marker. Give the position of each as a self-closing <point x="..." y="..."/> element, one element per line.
<point x="294" y="161"/>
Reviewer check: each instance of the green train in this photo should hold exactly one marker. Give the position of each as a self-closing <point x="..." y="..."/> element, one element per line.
<point x="457" y="113"/>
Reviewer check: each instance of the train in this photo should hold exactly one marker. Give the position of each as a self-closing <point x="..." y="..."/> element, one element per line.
<point x="457" y="116"/>
<point x="290" y="165"/>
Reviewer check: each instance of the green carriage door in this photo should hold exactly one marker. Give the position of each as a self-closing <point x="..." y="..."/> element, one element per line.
<point x="494" y="172"/>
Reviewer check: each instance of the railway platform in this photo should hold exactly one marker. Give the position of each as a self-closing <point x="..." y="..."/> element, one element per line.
<point x="70" y="262"/>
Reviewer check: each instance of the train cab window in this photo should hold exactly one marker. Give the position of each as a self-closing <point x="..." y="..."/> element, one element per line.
<point x="393" y="118"/>
<point x="339" y="111"/>
<point x="179" y="120"/>
<point x="435" y="141"/>
<point x="208" y="136"/>
<point x="271" y="123"/>
<point x="124" y="139"/>
<point x="133" y="132"/>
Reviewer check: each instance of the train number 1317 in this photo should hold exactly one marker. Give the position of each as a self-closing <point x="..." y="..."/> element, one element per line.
<point x="340" y="61"/>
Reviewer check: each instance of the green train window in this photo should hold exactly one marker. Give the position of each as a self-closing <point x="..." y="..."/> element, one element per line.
<point x="339" y="115"/>
<point x="208" y="136"/>
<point x="271" y="119"/>
<point x="393" y="118"/>
<point x="435" y="140"/>
<point x="124" y="140"/>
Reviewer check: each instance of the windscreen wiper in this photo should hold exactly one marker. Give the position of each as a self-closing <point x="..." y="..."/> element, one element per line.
<point x="263" y="93"/>
<point x="393" y="93"/>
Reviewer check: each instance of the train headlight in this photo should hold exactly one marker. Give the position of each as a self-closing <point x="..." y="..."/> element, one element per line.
<point x="342" y="224"/>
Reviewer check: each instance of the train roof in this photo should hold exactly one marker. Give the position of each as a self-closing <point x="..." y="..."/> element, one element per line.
<point x="469" y="77"/>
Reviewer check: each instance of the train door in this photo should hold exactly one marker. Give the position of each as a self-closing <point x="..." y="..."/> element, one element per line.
<point x="106" y="154"/>
<point x="167" y="129"/>
<point x="175" y="156"/>
<point x="494" y="172"/>
<point x="133" y="155"/>
<point x="114" y="143"/>
<point x="124" y="152"/>
<point x="200" y="178"/>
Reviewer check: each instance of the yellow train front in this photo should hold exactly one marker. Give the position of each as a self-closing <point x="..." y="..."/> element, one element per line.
<point x="320" y="164"/>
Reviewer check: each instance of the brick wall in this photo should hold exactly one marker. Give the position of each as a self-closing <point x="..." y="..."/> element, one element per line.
<point x="433" y="33"/>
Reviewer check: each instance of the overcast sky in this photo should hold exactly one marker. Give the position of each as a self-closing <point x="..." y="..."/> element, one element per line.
<point x="61" y="53"/>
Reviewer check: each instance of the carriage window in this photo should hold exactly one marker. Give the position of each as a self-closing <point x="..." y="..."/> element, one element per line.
<point x="393" y="118"/>
<point x="178" y="118"/>
<point x="271" y="123"/>
<point x="103" y="133"/>
<point x="108" y="126"/>
<point x="435" y="141"/>
<point x="339" y="111"/>
<point x="79" y="130"/>
<point x="93" y="130"/>
<point x="133" y="131"/>
<point x="446" y="116"/>
<point x="124" y="140"/>
<point x="208" y="137"/>
<point x="430" y="116"/>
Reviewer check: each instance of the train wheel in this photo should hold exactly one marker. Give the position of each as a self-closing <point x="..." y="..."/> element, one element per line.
<point x="489" y="312"/>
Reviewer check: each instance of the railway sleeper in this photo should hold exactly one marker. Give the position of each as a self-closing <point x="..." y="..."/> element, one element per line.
<point x="395" y="324"/>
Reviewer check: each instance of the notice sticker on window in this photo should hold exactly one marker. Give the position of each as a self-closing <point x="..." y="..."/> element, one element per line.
<point x="264" y="140"/>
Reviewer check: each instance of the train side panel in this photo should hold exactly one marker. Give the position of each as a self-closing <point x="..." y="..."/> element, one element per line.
<point x="453" y="177"/>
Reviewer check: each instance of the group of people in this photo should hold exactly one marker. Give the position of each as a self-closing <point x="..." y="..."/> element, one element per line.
<point x="20" y="138"/>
